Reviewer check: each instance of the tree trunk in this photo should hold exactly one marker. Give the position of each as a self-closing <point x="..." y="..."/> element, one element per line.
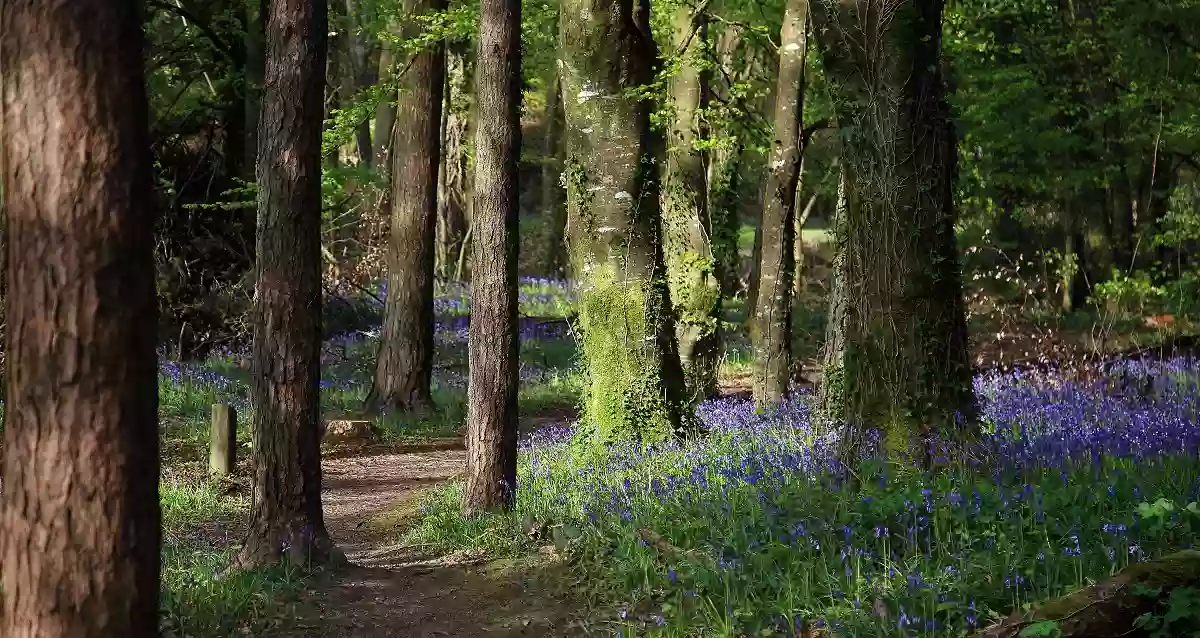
<point x="896" y="355"/>
<point x="453" y="169"/>
<point x="355" y="76"/>
<point x="724" y="169"/>
<point x="285" y="517"/>
<point x="636" y="387"/>
<point x="771" y="328"/>
<point x="494" y="361"/>
<point x="691" y="271"/>
<point x="800" y="277"/>
<point x="256" y="11"/>
<point x="385" y="113"/>
<point x="404" y="368"/>
<point x="554" y="208"/>
<point x="79" y="520"/>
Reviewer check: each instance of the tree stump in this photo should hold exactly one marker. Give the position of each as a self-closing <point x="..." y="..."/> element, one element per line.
<point x="349" y="431"/>
<point x="222" y="445"/>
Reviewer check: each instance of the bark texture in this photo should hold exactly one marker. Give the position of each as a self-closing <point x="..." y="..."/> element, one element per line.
<point x="385" y="113"/>
<point x="896" y="351"/>
<point x="635" y="387"/>
<point x="404" y="368"/>
<point x="691" y="268"/>
<point x="79" y="519"/>
<point x="493" y="350"/>
<point x="771" y="328"/>
<point x="286" y="520"/>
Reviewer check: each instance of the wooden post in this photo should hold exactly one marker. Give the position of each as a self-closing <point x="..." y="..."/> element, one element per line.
<point x="222" y="447"/>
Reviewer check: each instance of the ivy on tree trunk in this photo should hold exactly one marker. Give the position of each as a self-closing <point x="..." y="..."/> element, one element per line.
<point x="635" y="387"/>
<point x="896" y="355"/>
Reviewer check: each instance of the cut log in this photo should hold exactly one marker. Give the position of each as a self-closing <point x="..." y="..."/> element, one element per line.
<point x="1109" y="608"/>
<point x="350" y="431"/>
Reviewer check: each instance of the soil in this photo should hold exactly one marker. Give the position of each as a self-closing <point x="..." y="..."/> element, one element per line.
<point x="397" y="591"/>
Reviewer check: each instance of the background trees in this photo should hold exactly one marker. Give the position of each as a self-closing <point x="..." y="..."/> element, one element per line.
<point x="79" y="518"/>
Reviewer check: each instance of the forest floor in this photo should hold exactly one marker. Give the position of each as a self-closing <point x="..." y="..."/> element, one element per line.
<point x="397" y="590"/>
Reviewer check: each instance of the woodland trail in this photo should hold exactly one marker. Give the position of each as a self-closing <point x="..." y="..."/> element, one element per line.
<point x="393" y="590"/>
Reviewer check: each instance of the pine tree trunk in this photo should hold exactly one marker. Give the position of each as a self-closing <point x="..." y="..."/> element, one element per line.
<point x="896" y="354"/>
<point x="691" y="269"/>
<point x="554" y="208"/>
<point x="404" y="368"/>
<point x="286" y="520"/>
<point x="771" y="328"/>
<point x="494" y="362"/>
<point x="79" y="520"/>
<point x="635" y="387"/>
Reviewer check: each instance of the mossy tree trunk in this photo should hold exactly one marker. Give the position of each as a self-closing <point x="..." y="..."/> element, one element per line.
<point x="771" y="326"/>
<point x="691" y="272"/>
<point x="492" y="388"/>
<point x="636" y="387"/>
<point x="896" y="354"/>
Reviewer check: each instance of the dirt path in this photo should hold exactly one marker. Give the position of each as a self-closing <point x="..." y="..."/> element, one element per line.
<point x="394" y="591"/>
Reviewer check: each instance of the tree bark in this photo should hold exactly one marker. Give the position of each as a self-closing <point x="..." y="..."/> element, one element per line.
<point x="896" y="355"/>
<point x="355" y="76"/>
<point x="554" y="206"/>
<point x="286" y="520"/>
<point x="493" y="350"/>
<point x="771" y="328"/>
<point x="404" y="368"/>
<point x="635" y="388"/>
<point x="79" y="521"/>
<point x="691" y="268"/>
<point x="453" y="170"/>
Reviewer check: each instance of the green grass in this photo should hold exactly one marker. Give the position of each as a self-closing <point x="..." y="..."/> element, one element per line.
<point x="201" y="528"/>
<point x="749" y="546"/>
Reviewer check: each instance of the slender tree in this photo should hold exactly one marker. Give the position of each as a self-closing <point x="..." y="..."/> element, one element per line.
<point x="896" y="350"/>
<point x="636" y="386"/>
<point x="492" y="388"/>
<point x="554" y="208"/>
<point x="771" y="328"/>
<point x="404" y="368"/>
<point x="285" y="516"/>
<point x="79" y="517"/>
<point x="453" y="172"/>
<point x="687" y="227"/>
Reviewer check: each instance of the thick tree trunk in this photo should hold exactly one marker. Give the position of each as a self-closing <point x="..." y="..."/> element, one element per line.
<point x="553" y="200"/>
<point x="636" y="387"/>
<point x="285" y="517"/>
<point x="404" y="368"/>
<point x="691" y="269"/>
<point x="79" y="520"/>
<point x="896" y="354"/>
<point x="453" y="170"/>
<point x="492" y="387"/>
<point x="771" y="328"/>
